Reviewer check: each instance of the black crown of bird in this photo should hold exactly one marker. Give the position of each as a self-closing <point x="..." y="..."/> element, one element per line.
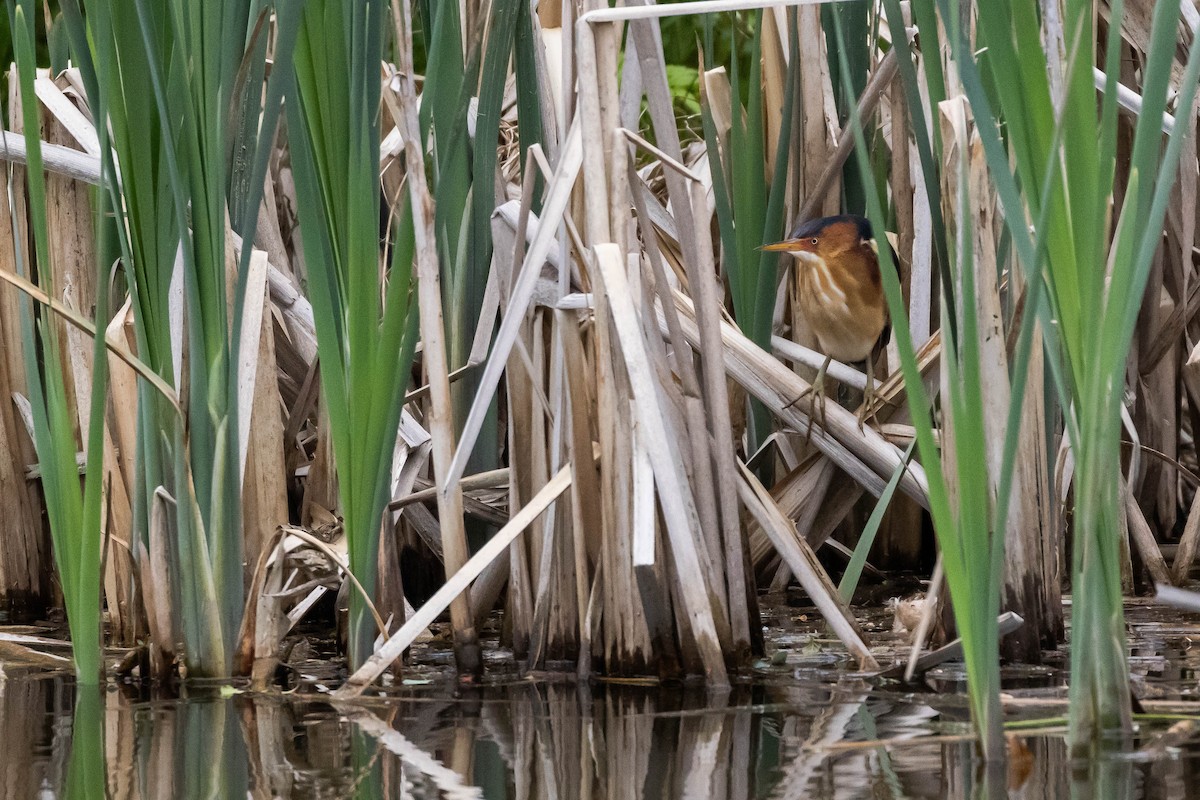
<point x="841" y="294"/>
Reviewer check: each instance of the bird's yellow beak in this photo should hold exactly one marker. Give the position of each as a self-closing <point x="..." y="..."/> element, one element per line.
<point x="786" y="246"/>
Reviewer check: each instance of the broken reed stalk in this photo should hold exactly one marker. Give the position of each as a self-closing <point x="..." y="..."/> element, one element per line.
<point x="863" y="454"/>
<point x="87" y="326"/>
<point x="716" y="606"/>
<point x="55" y="158"/>
<point x="679" y="512"/>
<point x="805" y="566"/>
<point x="440" y="414"/>
<point x="881" y="79"/>
<point x="687" y="202"/>
<point x="264" y="624"/>
<point x="544" y="622"/>
<point x="454" y="587"/>
<point x="558" y="193"/>
<point x="803" y="495"/>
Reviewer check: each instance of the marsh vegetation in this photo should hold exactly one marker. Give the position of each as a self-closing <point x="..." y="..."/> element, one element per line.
<point x="450" y="321"/>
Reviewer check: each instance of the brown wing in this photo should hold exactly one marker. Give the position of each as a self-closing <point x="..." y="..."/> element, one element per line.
<point x="886" y="333"/>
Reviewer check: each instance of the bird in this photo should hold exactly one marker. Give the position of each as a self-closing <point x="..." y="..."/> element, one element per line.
<point x="841" y="295"/>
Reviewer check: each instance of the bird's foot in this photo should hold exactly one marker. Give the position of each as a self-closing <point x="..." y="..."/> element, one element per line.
<point x="867" y="412"/>
<point x="816" y="406"/>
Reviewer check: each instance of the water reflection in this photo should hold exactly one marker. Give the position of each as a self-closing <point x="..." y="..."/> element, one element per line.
<point x="532" y="741"/>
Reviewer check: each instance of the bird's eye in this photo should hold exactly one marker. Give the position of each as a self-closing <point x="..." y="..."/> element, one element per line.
<point x="812" y="240"/>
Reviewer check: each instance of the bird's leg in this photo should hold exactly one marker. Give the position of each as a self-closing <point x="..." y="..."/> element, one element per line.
<point x="817" y="390"/>
<point x="868" y="403"/>
<point x="819" y="398"/>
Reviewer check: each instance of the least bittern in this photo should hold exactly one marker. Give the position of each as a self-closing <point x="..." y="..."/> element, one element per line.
<point x="841" y="295"/>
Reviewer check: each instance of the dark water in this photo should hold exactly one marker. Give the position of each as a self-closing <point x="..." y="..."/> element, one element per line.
<point x="804" y="728"/>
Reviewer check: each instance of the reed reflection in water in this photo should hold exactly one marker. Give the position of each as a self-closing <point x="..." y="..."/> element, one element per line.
<point x="531" y="741"/>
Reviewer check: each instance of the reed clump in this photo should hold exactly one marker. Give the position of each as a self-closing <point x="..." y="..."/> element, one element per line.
<point x="371" y="290"/>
